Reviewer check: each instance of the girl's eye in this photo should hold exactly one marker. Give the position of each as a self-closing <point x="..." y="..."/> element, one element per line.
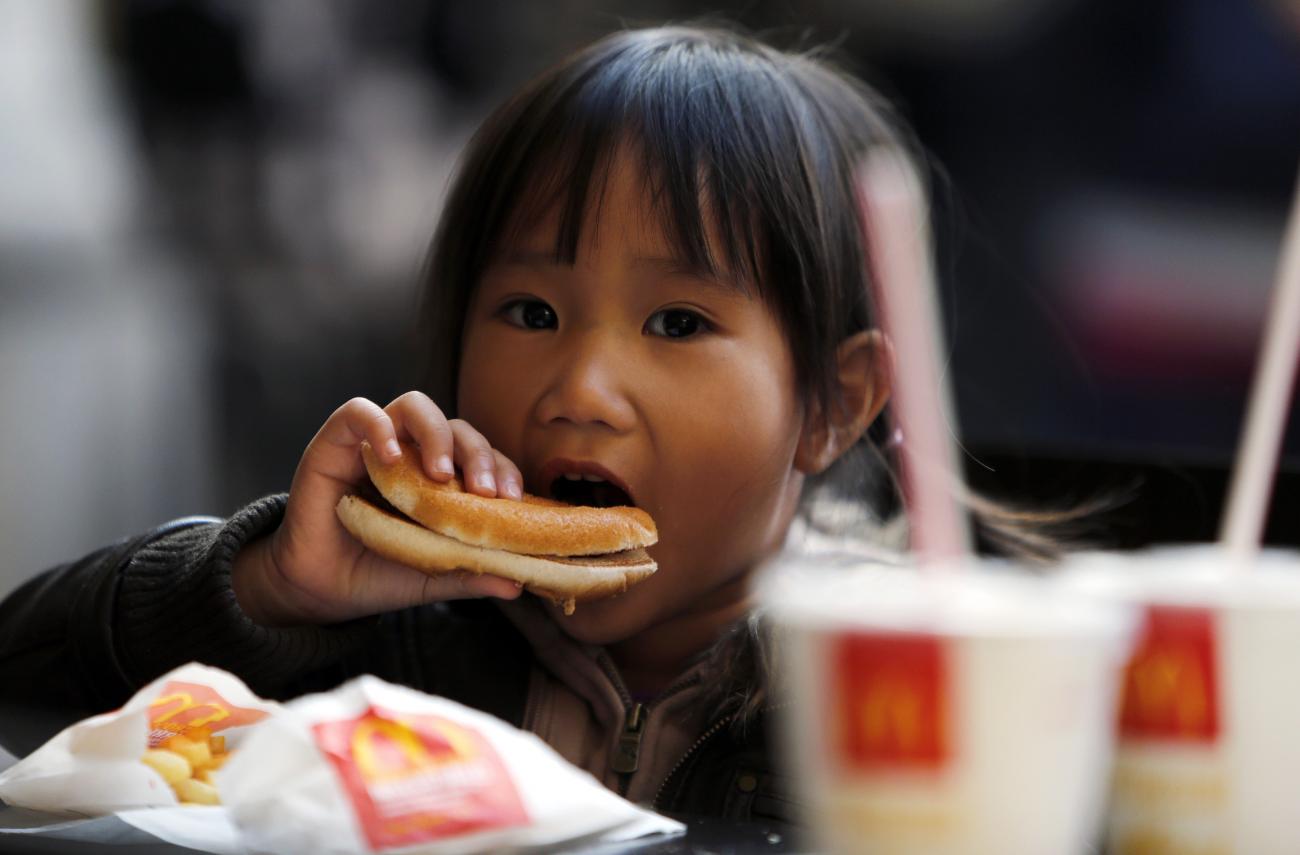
<point x="675" y="323"/>
<point x="530" y="315"/>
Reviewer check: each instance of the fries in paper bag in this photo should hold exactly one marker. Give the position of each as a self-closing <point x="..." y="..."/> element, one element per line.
<point x="368" y="767"/>
<point x="162" y="749"/>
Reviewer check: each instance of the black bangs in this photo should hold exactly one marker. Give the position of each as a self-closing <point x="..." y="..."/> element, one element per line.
<point x="688" y="112"/>
<point x="747" y="156"/>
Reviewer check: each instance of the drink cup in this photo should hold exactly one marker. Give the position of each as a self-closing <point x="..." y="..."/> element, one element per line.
<point x="965" y="712"/>
<point x="1209" y="728"/>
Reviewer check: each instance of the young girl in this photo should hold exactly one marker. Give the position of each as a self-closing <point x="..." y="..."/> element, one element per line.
<point x="650" y="271"/>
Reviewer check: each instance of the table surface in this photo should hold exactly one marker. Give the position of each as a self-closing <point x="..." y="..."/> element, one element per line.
<point x="107" y="835"/>
<point x="24" y="729"/>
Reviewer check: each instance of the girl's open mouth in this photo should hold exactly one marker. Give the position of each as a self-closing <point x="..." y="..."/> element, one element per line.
<point x="588" y="490"/>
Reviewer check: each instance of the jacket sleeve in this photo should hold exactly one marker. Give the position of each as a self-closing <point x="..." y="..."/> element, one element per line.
<point x="82" y="637"/>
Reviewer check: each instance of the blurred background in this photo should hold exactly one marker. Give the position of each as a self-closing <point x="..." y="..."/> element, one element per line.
<point x="212" y="215"/>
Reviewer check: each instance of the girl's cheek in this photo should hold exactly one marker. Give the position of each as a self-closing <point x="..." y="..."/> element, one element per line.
<point x="475" y="382"/>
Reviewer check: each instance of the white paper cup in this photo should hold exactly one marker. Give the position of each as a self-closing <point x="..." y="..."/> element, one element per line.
<point x="1209" y="731"/>
<point x="971" y="713"/>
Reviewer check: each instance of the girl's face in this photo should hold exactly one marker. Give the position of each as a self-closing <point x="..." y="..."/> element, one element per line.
<point x="677" y="388"/>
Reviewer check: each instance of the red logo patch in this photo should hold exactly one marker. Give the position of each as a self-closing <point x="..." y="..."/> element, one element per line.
<point x="186" y="707"/>
<point x="1171" y="684"/>
<point x="416" y="778"/>
<point x="890" y="701"/>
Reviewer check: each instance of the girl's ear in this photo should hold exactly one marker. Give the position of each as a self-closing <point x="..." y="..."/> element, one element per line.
<point x="863" y="386"/>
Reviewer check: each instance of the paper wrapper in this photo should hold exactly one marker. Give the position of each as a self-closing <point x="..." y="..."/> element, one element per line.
<point x="369" y="767"/>
<point x="93" y="767"/>
<point x="377" y="767"/>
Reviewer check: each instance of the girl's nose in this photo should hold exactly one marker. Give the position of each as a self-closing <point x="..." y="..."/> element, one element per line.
<point x="588" y="386"/>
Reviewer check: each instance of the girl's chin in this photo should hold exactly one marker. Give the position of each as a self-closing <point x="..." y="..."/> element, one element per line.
<point x="598" y="621"/>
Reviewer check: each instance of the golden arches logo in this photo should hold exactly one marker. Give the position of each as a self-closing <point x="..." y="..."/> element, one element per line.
<point x="891" y="717"/>
<point x="891" y="701"/>
<point x="204" y="712"/>
<point x="1168" y="685"/>
<point x="385" y="748"/>
<point x="418" y="777"/>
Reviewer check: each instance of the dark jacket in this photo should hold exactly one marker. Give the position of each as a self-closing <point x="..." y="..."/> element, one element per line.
<point x="81" y="638"/>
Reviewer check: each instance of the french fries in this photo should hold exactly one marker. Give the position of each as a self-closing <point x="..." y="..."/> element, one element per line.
<point x="186" y="762"/>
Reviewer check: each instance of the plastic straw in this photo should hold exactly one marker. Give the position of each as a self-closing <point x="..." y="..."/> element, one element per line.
<point x="1270" y="395"/>
<point x="898" y="237"/>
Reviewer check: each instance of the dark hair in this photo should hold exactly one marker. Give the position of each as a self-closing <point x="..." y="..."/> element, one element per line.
<point x="730" y="131"/>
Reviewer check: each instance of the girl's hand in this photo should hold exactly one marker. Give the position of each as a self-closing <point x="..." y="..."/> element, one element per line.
<point x="310" y="570"/>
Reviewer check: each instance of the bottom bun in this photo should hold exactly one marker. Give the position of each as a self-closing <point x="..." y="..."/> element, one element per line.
<point x="565" y="580"/>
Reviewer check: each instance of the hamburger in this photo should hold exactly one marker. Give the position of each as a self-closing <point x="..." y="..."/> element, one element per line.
<point x="565" y="552"/>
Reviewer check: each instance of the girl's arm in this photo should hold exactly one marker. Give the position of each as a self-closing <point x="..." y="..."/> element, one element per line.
<point x="280" y="594"/>
<point x="82" y="637"/>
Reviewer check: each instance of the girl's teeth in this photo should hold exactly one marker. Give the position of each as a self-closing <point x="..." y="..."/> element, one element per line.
<point x="572" y="476"/>
<point x="592" y="478"/>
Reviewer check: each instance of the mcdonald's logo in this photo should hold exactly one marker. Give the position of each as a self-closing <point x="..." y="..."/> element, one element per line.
<point x="417" y="778"/>
<point x="183" y="707"/>
<point x="1170" y="684"/>
<point x="890" y="703"/>
<point x="385" y="749"/>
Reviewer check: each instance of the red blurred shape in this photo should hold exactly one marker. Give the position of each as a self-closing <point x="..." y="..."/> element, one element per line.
<point x="419" y="778"/>
<point x="890" y="702"/>
<point x="1171" y="683"/>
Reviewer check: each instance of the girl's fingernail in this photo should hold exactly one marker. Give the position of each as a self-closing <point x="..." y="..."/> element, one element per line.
<point x="513" y="490"/>
<point x="444" y="465"/>
<point x="486" y="481"/>
<point x="392" y="449"/>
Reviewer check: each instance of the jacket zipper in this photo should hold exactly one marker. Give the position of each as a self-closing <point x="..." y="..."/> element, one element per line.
<point x="627" y="757"/>
<point x="704" y="737"/>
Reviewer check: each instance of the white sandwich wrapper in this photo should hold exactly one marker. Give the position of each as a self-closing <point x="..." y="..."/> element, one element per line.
<point x="368" y="767"/>
<point x="373" y="767"/>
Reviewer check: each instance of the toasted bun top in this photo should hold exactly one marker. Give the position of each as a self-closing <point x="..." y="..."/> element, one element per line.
<point x="534" y="526"/>
<point x="566" y="580"/>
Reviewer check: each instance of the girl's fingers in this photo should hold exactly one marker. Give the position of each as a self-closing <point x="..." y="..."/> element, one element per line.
<point x="478" y="462"/>
<point x="510" y="482"/>
<point x="388" y="585"/>
<point x="333" y="450"/>
<point x="415" y="415"/>
<point x="443" y="444"/>
<point x="489" y="586"/>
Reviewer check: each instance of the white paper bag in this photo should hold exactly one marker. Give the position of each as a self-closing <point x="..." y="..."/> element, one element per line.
<point x="373" y="767"/>
<point x="294" y="783"/>
<point x="93" y="767"/>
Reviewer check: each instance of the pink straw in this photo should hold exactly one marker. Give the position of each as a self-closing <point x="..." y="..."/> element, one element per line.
<point x="889" y="194"/>
<point x="1270" y="394"/>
